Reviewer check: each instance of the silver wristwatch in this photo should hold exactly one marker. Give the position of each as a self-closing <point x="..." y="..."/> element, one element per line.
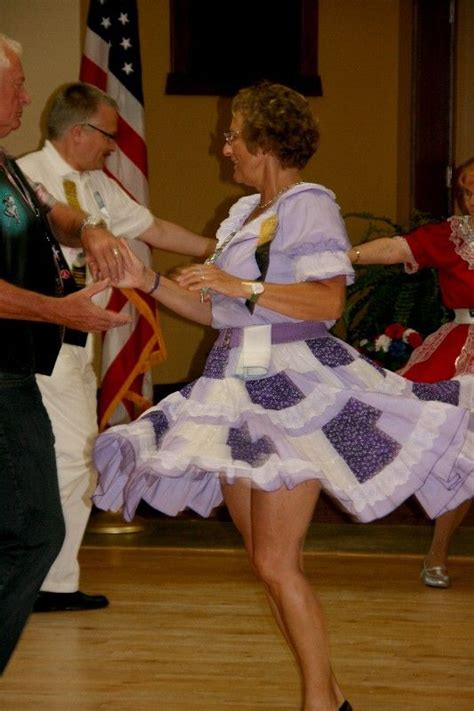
<point x="91" y="221"/>
<point x="256" y="289"/>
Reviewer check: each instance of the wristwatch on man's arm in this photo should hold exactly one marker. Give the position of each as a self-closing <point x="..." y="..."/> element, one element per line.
<point x="91" y="221"/>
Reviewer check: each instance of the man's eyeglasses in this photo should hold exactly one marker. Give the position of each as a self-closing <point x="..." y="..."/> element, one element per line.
<point x="230" y="136"/>
<point x="110" y="136"/>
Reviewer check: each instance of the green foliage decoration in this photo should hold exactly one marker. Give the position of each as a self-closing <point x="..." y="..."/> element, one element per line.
<point x="384" y="295"/>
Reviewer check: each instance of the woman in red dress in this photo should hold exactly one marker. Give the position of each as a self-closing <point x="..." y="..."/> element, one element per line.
<point x="449" y="352"/>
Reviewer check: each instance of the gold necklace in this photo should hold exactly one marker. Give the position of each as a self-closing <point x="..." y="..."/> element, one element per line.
<point x="278" y="195"/>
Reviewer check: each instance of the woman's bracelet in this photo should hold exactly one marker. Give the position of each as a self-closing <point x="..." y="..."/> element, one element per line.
<point x="156" y="283"/>
<point x="357" y="253"/>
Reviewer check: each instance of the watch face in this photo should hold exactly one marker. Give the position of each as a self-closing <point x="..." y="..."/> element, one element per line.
<point x="92" y="221"/>
<point x="257" y="287"/>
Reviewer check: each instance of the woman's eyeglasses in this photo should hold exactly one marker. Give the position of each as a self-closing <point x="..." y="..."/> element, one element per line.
<point x="230" y="136"/>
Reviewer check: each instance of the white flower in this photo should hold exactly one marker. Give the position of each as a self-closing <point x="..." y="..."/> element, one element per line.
<point x="382" y="343"/>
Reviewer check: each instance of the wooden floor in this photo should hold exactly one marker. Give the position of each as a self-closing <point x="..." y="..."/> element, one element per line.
<point x="189" y="629"/>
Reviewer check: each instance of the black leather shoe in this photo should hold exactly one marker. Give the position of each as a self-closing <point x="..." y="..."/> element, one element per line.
<point x="345" y="706"/>
<point x="68" y="602"/>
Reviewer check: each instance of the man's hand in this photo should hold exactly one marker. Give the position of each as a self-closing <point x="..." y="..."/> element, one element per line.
<point x="102" y="254"/>
<point x="78" y="311"/>
<point x="136" y="274"/>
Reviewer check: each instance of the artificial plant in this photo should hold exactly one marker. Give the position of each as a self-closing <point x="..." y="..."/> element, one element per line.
<point x="385" y="295"/>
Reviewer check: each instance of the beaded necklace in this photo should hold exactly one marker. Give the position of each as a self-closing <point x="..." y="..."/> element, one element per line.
<point x="278" y="195"/>
<point x="218" y="251"/>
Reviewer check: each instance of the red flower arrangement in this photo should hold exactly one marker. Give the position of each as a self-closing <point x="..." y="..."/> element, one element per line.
<point x="392" y="348"/>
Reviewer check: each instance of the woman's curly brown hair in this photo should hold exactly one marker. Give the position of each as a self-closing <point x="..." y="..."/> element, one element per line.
<point x="277" y="119"/>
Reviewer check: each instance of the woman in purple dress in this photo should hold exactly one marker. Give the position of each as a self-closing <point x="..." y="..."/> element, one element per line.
<point x="283" y="409"/>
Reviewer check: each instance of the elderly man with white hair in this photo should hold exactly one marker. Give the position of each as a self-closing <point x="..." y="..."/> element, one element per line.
<point x="37" y="301"/>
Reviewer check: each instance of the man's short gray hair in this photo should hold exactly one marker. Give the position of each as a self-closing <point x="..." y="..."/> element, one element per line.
<point x="74" y="104"/>
<point x="12" y="45"/>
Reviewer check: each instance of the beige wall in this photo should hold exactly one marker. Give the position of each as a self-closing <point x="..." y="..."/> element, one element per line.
<point x="49" y="31"/>
<point x="364" y="118"/>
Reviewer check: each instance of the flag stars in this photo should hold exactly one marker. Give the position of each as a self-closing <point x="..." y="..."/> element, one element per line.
<point x="127" y="68"/>
<point x="123" y="18"/>
<point x="106" y="22"/>
<point x="125" y="43"/>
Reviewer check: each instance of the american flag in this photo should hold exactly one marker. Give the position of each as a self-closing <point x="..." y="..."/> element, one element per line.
<point x="111" y="61"/>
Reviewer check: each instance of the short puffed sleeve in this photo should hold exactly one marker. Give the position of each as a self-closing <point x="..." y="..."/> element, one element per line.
<point x="313" y="231"/>
<point x="429" y="245"/>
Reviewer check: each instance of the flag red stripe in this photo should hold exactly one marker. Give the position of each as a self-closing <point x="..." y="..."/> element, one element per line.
<point x="127" y="356"/>
<point x="144" y="332"/>
<point x="132" y="144"/>
<point x="123" y="364"/>
<point x="117" y="300"/>
<point x="93" y="74"/>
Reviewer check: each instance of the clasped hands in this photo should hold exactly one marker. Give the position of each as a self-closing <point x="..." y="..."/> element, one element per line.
<point x="207" y="277"/>
<point x="131" y="273"/>
<point x="103" y="254"/>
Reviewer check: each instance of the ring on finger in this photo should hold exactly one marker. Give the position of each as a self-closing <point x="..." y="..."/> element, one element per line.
<point x="115" y="252"/>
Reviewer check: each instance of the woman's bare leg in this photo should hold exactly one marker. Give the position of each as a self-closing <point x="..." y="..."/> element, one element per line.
<point x="444" y="529"/>
<point x="238" y="501"/>
<point x="274" y="538"/>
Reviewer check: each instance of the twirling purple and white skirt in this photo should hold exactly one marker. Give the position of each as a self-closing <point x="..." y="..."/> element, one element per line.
<point x="323" y="411"/>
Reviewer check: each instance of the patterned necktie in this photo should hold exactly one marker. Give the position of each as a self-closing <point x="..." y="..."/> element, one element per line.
<point x="78" y="267"/>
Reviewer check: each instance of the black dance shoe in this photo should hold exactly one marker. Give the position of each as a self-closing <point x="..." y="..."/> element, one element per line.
<point x="68" y="602"/>
<point x="345" y="706"/>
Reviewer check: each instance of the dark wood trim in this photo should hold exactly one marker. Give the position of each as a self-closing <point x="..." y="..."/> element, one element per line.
<point x="432" y="109"/>
<point x="254" y="41"/>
